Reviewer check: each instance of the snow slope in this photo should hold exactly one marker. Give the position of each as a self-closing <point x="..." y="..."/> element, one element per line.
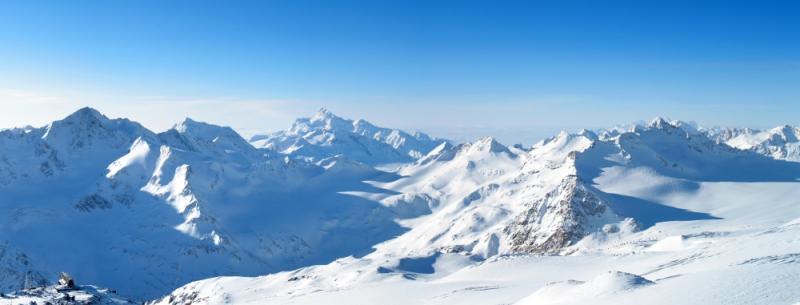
<point x="304" y="216"/>
<point x="119" y="206"/>
<point x="649" y="215"/>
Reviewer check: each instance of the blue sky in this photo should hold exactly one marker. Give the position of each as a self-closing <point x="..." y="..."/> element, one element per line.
<point x="519" y="70"/>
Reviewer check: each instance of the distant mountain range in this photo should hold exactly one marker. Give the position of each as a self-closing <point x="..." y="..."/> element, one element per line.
<point x="120" y="206"/>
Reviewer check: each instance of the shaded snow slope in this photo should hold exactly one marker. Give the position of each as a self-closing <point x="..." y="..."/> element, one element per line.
<point x="119" y="206"/>
<point x="663" y="205"/>
<point x="654" y="210"/>
<point x="746" y="256"/>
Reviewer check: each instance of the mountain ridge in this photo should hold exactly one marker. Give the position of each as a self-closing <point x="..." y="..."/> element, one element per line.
<point x="199" y="201"/>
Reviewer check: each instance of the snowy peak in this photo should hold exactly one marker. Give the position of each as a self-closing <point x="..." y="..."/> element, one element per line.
<point x="782" y="142"/>
<point x="491" y="145"/>
<point x="202" y="130"/>
<point x="784" y="133"/>
<point x="325" y="135"/>
<point x="324" y="118"/>
<point x="85" y="115"/>
<point x="659" y="123"/>
<point x="558" y="147"/>
<point x="485" y="145"/>
<point x="87" y="126"/>
<point x="194" y="135"/>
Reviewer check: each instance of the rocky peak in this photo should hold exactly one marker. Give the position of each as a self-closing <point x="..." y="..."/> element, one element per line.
<point x="559" y="219"/>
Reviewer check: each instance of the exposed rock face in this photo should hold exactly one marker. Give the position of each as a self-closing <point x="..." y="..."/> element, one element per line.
<point x="558" y="220"/>
<point x="164" y="209"/>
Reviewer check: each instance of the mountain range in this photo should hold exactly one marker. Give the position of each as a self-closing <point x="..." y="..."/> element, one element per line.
<point x="343" y="210"/>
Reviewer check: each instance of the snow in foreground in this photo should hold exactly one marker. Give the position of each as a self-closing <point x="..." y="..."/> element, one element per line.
<point x="656" y="213"/>
<point x="750" y="255"/>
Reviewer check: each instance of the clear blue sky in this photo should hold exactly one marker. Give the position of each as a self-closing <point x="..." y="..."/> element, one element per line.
<point x="519" y="70"/>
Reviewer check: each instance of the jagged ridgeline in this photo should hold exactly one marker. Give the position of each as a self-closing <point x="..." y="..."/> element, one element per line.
<point x="117" y="205"/>
<point x="146" y="212"/>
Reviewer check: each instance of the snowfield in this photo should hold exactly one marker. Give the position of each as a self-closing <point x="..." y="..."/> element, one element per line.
<point x="337" y="211"/>
<point x="747" y="256"/>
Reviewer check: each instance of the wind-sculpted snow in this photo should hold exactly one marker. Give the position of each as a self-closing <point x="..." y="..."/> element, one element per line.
<point x="575" y="291"/>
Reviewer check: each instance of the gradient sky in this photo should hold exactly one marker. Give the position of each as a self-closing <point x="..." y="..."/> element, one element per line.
<point x="518" y="70"/>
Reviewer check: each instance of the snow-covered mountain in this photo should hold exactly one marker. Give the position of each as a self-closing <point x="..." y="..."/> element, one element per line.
<point x="120" y="206"/>
<point x="648" y="209"/>
<point x="326" y="135"/>
<point x="305" y="216"/>
<point x="782" y="142"/>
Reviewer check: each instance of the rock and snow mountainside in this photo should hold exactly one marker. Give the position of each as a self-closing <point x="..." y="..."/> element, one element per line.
<point x="615" y="217"/>
<point x="782" y="142"/>
<point x="326" y="135"/>
<point x="120" y="206"/>
<point x="654" y="210"/>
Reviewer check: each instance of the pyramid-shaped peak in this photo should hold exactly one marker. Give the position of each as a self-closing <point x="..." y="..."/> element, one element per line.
<point x="324" y="114"/>
<point x="659" y="123"/>
<point x="325" y="118"/>
<point x="489" y="144"/>
<point x="85" y="114"/>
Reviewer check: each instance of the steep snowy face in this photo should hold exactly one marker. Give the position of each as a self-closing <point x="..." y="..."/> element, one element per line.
<point x="782" y="142"/>
<point x="326" y="135"/>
